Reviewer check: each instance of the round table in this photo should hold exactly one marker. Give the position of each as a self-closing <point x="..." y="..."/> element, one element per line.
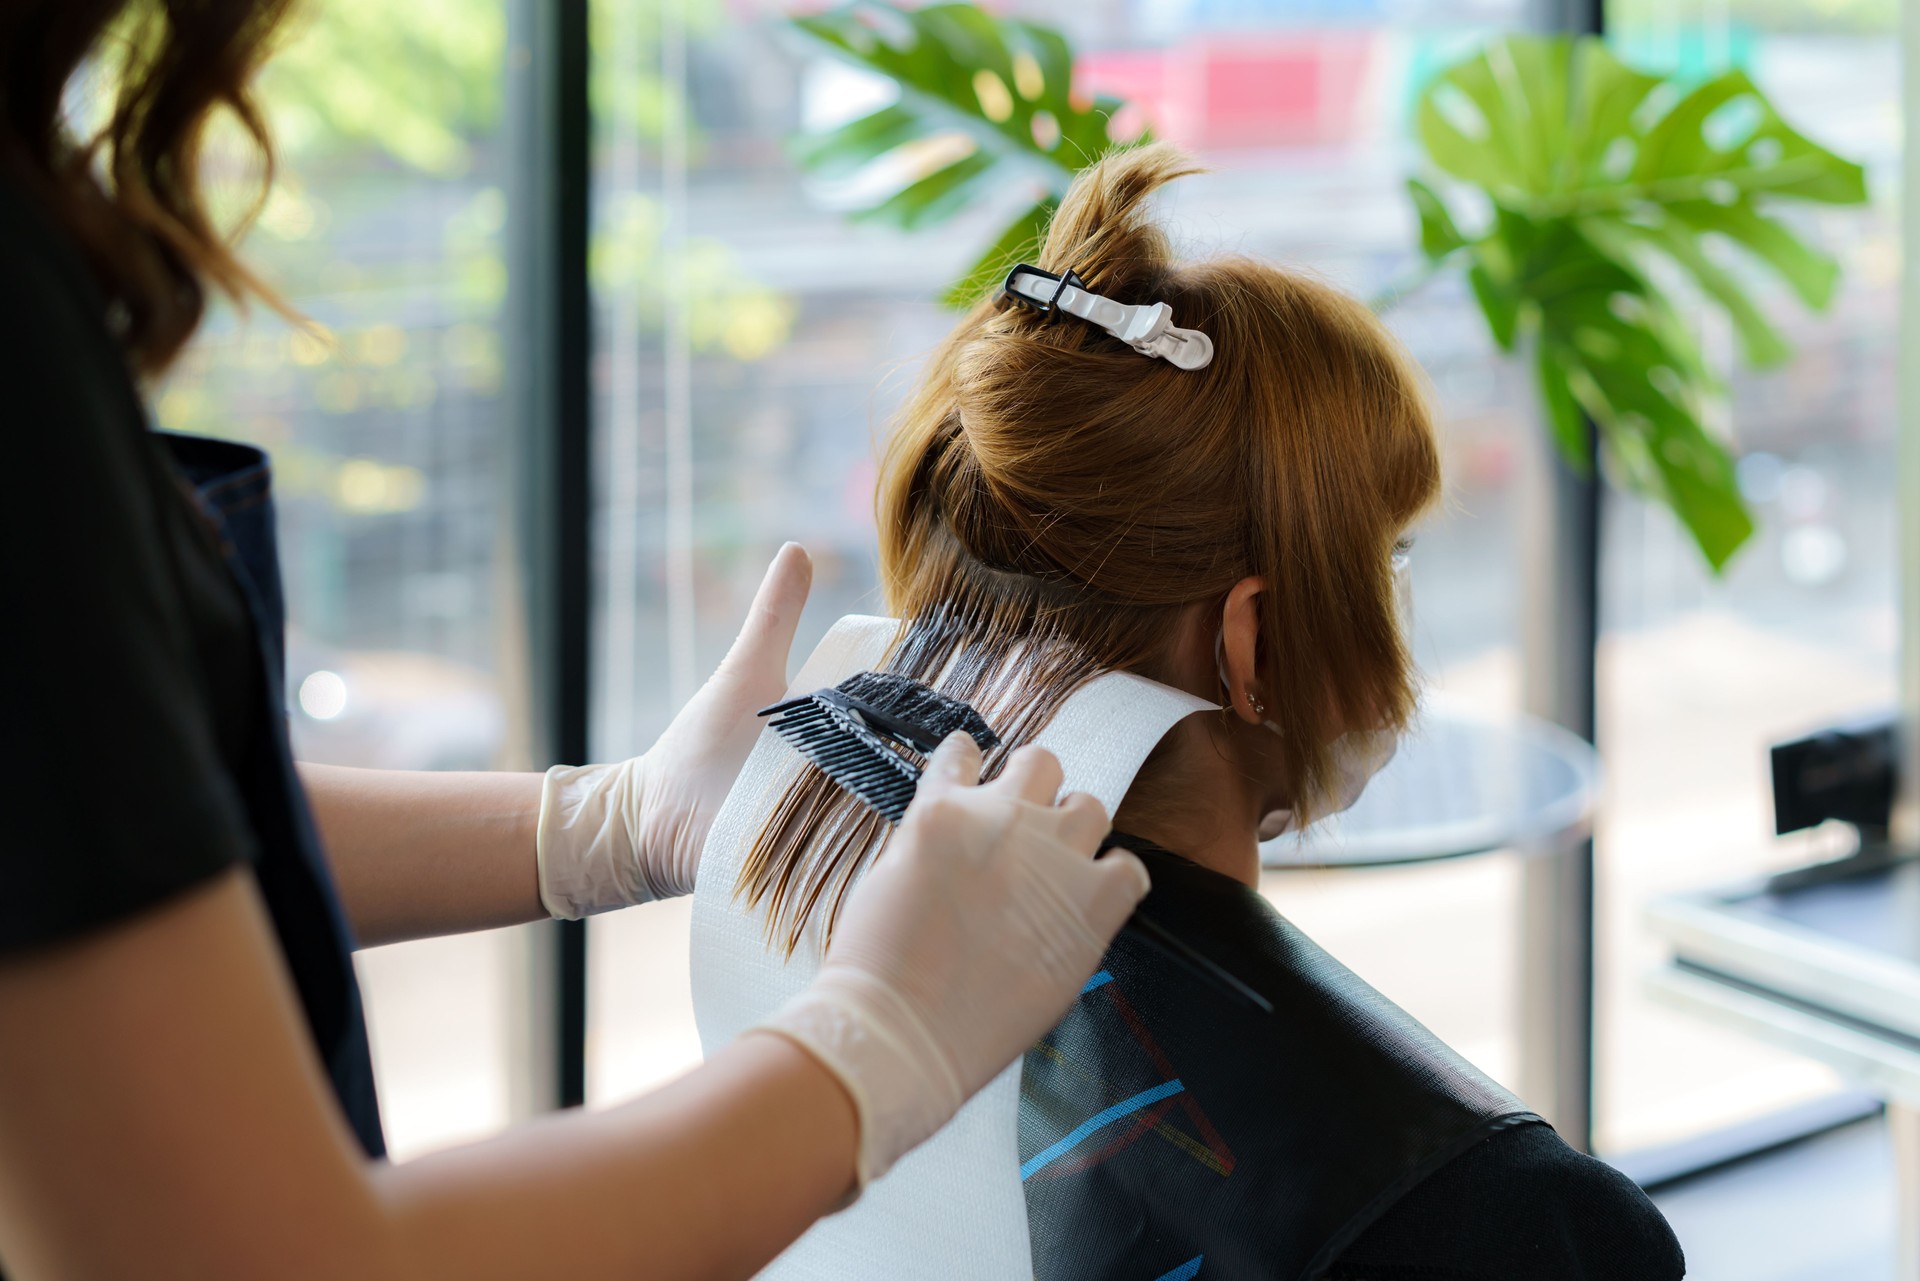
<point x="1461" y="783"/>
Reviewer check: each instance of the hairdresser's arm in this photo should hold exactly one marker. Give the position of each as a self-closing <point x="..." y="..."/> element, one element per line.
<point x="419" y="854"/>
<point x="161" y="1115"/>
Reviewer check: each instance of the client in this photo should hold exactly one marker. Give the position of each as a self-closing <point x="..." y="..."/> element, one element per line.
<point x="1076" y="489"/>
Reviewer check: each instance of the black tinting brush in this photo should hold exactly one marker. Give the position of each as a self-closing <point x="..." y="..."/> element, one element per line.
<point x="856" y="733"/>
<point x="871" y="734"/>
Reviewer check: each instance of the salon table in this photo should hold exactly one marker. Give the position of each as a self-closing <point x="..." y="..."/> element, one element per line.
<point x="1823" y="961"/>
<point x="1460" y="784"/>
<point x="1465" y="783"/>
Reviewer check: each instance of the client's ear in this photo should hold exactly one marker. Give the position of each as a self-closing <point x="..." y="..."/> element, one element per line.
<point x="1240" y="649"/>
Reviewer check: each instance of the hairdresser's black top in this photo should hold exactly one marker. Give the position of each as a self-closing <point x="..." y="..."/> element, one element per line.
<point x="1168" y="1132"/>
<point x="143" y="742"/>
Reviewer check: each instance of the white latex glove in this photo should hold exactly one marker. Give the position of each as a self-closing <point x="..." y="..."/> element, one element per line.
<point x="968" y="939"/>
<point x="614" y="835"/>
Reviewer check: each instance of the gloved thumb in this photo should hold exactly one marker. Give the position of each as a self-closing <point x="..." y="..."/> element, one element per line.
<point x="759" y="653"/>
<point x="955" y="763"/>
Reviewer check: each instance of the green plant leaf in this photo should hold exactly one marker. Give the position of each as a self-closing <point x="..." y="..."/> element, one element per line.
<point x="1811" y="273"/>
<point x="1501" y="306"/>
<point x="1612" y="343"/>
<point x="1531" y="76"/>
<point x="936" y="197"/>
<point x="1565" y="418"/>
<point x="1703" y="491"/>
<point x="1438" y="235"/>
<point x="1595" y="171"/>
<point x="1760" y="342"/>
<point x="858" y="143"/>
<point x="1449" y="145"/>
<point x="1019" y="243"/>
<point x="1003" y="85"/>
<point x="1607" y="94"/>
<point x="1761" y="153"/>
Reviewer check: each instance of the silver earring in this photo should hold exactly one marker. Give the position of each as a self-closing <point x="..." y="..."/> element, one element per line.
<point x="1259" y="708"/>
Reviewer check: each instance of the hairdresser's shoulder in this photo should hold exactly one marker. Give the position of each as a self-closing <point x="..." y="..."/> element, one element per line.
<point x="1520" y="1203"/>
<point x="46" y="278"/>
<point x="65" y="388"/>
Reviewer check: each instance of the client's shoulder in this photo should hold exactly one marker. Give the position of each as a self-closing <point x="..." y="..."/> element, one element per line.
<point x="1518" y="1204"/>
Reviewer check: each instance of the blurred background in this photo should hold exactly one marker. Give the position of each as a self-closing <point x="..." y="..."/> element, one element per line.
<point x="749" y="341"/>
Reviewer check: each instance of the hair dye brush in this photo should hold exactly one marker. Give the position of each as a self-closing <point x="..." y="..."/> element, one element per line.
<point x="871" y="734"/>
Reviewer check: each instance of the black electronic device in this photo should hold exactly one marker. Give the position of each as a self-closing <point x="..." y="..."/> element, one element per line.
<point x="1844" y="772"/>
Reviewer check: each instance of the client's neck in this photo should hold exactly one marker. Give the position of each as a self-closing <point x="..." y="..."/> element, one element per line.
<point x="1191" y="799"/>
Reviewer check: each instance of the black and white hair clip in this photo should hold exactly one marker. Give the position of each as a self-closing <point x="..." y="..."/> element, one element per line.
<point x="1148" y="328"/>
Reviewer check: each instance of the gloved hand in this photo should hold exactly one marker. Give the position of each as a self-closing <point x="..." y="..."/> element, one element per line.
<point x="969" y="937"/>
<point x="614" y="835"/>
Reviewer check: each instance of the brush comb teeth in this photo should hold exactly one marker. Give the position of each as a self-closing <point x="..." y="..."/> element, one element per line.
<point x="872" y="733"/>
<point x="837" y="740"/>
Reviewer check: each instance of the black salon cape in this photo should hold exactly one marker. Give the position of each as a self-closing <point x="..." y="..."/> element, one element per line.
<point x="1169" y="1133"/>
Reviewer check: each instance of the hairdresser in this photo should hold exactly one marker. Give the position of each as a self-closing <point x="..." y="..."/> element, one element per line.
<point x="184" y="1080"/>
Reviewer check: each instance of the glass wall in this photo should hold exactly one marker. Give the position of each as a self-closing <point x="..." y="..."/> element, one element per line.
<point x="1698" y="675"/>
<point x="745" y="377"/>
<point x="753" y="341"/>
<point x="390" y="452"/>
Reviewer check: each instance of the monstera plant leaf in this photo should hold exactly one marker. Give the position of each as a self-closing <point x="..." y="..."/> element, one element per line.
<point x="984" y="104"/>
<point x="1604" y="185"/>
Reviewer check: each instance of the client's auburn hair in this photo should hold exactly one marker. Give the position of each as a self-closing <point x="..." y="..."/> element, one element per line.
<point x="1050" y="491"/>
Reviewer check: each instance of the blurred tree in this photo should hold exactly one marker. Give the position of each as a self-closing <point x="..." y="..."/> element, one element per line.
<point x="421" y="81"/>
<point x="387" y="119"/>
<point x="1596" y="185"/>
<point x="422" y="84"/>
<point x="418" y="81"/>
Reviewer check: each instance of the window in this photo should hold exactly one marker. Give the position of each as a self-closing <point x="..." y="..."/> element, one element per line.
<point x="390" y="451"/>
<point x="751" y="342"/>
<point x="1698" y="676"/>
<point x="762" y="338"/>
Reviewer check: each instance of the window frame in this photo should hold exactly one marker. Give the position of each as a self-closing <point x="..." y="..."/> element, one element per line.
<point x="550" y="332"/>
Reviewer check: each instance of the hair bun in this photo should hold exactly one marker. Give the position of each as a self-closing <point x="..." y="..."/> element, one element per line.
<point x="1104" y="229"/>
<point x="1053" y="505"/>
<point x="1026" y="401"/>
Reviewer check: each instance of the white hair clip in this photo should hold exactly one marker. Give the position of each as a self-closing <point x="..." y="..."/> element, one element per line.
<point x="1148" y="328"/>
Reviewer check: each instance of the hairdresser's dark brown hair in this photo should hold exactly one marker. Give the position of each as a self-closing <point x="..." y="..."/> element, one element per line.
<point x="1046" y="488"/>
<point x="130" y="193"/>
